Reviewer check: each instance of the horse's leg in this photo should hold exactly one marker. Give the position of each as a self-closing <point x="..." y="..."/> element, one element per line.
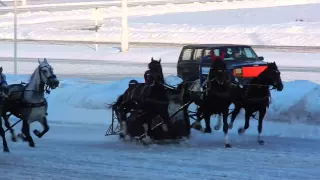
<point x="123" y="122"/>
<point x="3" y="135"/>
<point x="185" y="99"/>
<point x="218" y="124"/>
<point x="7" y="124"/>
<point x="146" y="124"/>
<point x="165" y="117"/>
<point x="234" y="114"/>
<point x="262" y="113"/>
<point x="246" y="124"/>
<point x="197" y="125"/>
<point x="45" y="126"/>
<point x="225" y="128"/>
<point x="207" y="120"/>
<point x="186" y="120"/>
<point x="26" y="132"/>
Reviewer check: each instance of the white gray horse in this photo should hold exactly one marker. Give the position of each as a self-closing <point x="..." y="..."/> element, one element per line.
<point x="3" y="95"/>
<point x="27" y="101"/>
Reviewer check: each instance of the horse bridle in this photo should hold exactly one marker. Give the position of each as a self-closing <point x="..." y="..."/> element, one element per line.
<point x="216" y="79"/>
<point x="47" y="87"/>
<point x="261" y="85"/>
<point x="275" y="83"/>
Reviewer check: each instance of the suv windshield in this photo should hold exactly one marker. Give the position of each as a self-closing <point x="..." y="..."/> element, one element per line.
<point x="237" y="53"/>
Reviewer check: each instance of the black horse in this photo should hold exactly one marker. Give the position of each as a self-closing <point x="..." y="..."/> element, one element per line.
<point x="217" y="98"/>
<point x="146" y="102"/>
<point x="255" y="97"/>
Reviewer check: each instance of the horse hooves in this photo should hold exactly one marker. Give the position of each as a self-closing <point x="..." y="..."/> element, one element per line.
<point x="32" y="144"/>
<point x="22" y="136"/>
<point x="261" y="142"/>
<point x="207" y="130"/>
<point x="121" y="136"/>
<point x="14" y="139"/>
<point x="227" y="145"/>
<point x="240" y="131"/>
<point x="37" y="133"/>
<point x="144" y="143"/>
<point x="6" y="149"/>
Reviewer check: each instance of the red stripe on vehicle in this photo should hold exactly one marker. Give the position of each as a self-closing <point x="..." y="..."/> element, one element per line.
<point x="251" y="72"/>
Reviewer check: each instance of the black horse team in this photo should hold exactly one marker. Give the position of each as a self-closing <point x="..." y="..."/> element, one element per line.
<point x="142" y="109"/>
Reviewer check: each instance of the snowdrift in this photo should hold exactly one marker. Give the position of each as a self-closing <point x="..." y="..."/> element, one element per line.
<point x="299" y="101"/>
<point x="76" y="101"/>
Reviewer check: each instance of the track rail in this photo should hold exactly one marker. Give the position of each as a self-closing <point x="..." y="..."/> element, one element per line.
<point x="170" y="45"/>
<point x="7" y="6"/>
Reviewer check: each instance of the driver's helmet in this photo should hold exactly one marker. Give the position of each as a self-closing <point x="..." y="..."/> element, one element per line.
<point x="132" y="82"/>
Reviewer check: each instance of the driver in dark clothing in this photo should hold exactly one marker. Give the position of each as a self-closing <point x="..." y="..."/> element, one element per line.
<point x="147" y="77"/>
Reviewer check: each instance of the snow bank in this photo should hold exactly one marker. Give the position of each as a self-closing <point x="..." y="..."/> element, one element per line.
<point x="297" y="102"/>
<point x="85" y="103"/>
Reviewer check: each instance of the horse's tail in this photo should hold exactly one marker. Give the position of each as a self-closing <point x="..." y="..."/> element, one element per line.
<point x="117" y="103"/>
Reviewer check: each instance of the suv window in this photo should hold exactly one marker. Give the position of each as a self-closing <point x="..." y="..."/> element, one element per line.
<point x="206" y="52"/>
<point x="186" y="54"/>
<point x="249" y="53"/>
<point x="197" y="55"/>
<point x="237" y="53"/>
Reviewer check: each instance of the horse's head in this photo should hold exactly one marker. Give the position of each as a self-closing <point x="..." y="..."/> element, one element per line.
<point x="218" y="72"/>
<point x="3" y="83"/>
<point x="156" y="70"/>
<point x="47" y="75"/>
<point x="272" y="76"/>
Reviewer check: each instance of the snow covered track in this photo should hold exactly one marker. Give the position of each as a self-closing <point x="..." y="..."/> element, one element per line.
<point x="82" y="152"/>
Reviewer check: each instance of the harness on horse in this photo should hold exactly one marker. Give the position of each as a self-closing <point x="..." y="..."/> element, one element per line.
<point x="204" y="82"/>
<point x="23" y="104"/>
<point x="2" y="93"/>
<point x="251" y="99"/>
